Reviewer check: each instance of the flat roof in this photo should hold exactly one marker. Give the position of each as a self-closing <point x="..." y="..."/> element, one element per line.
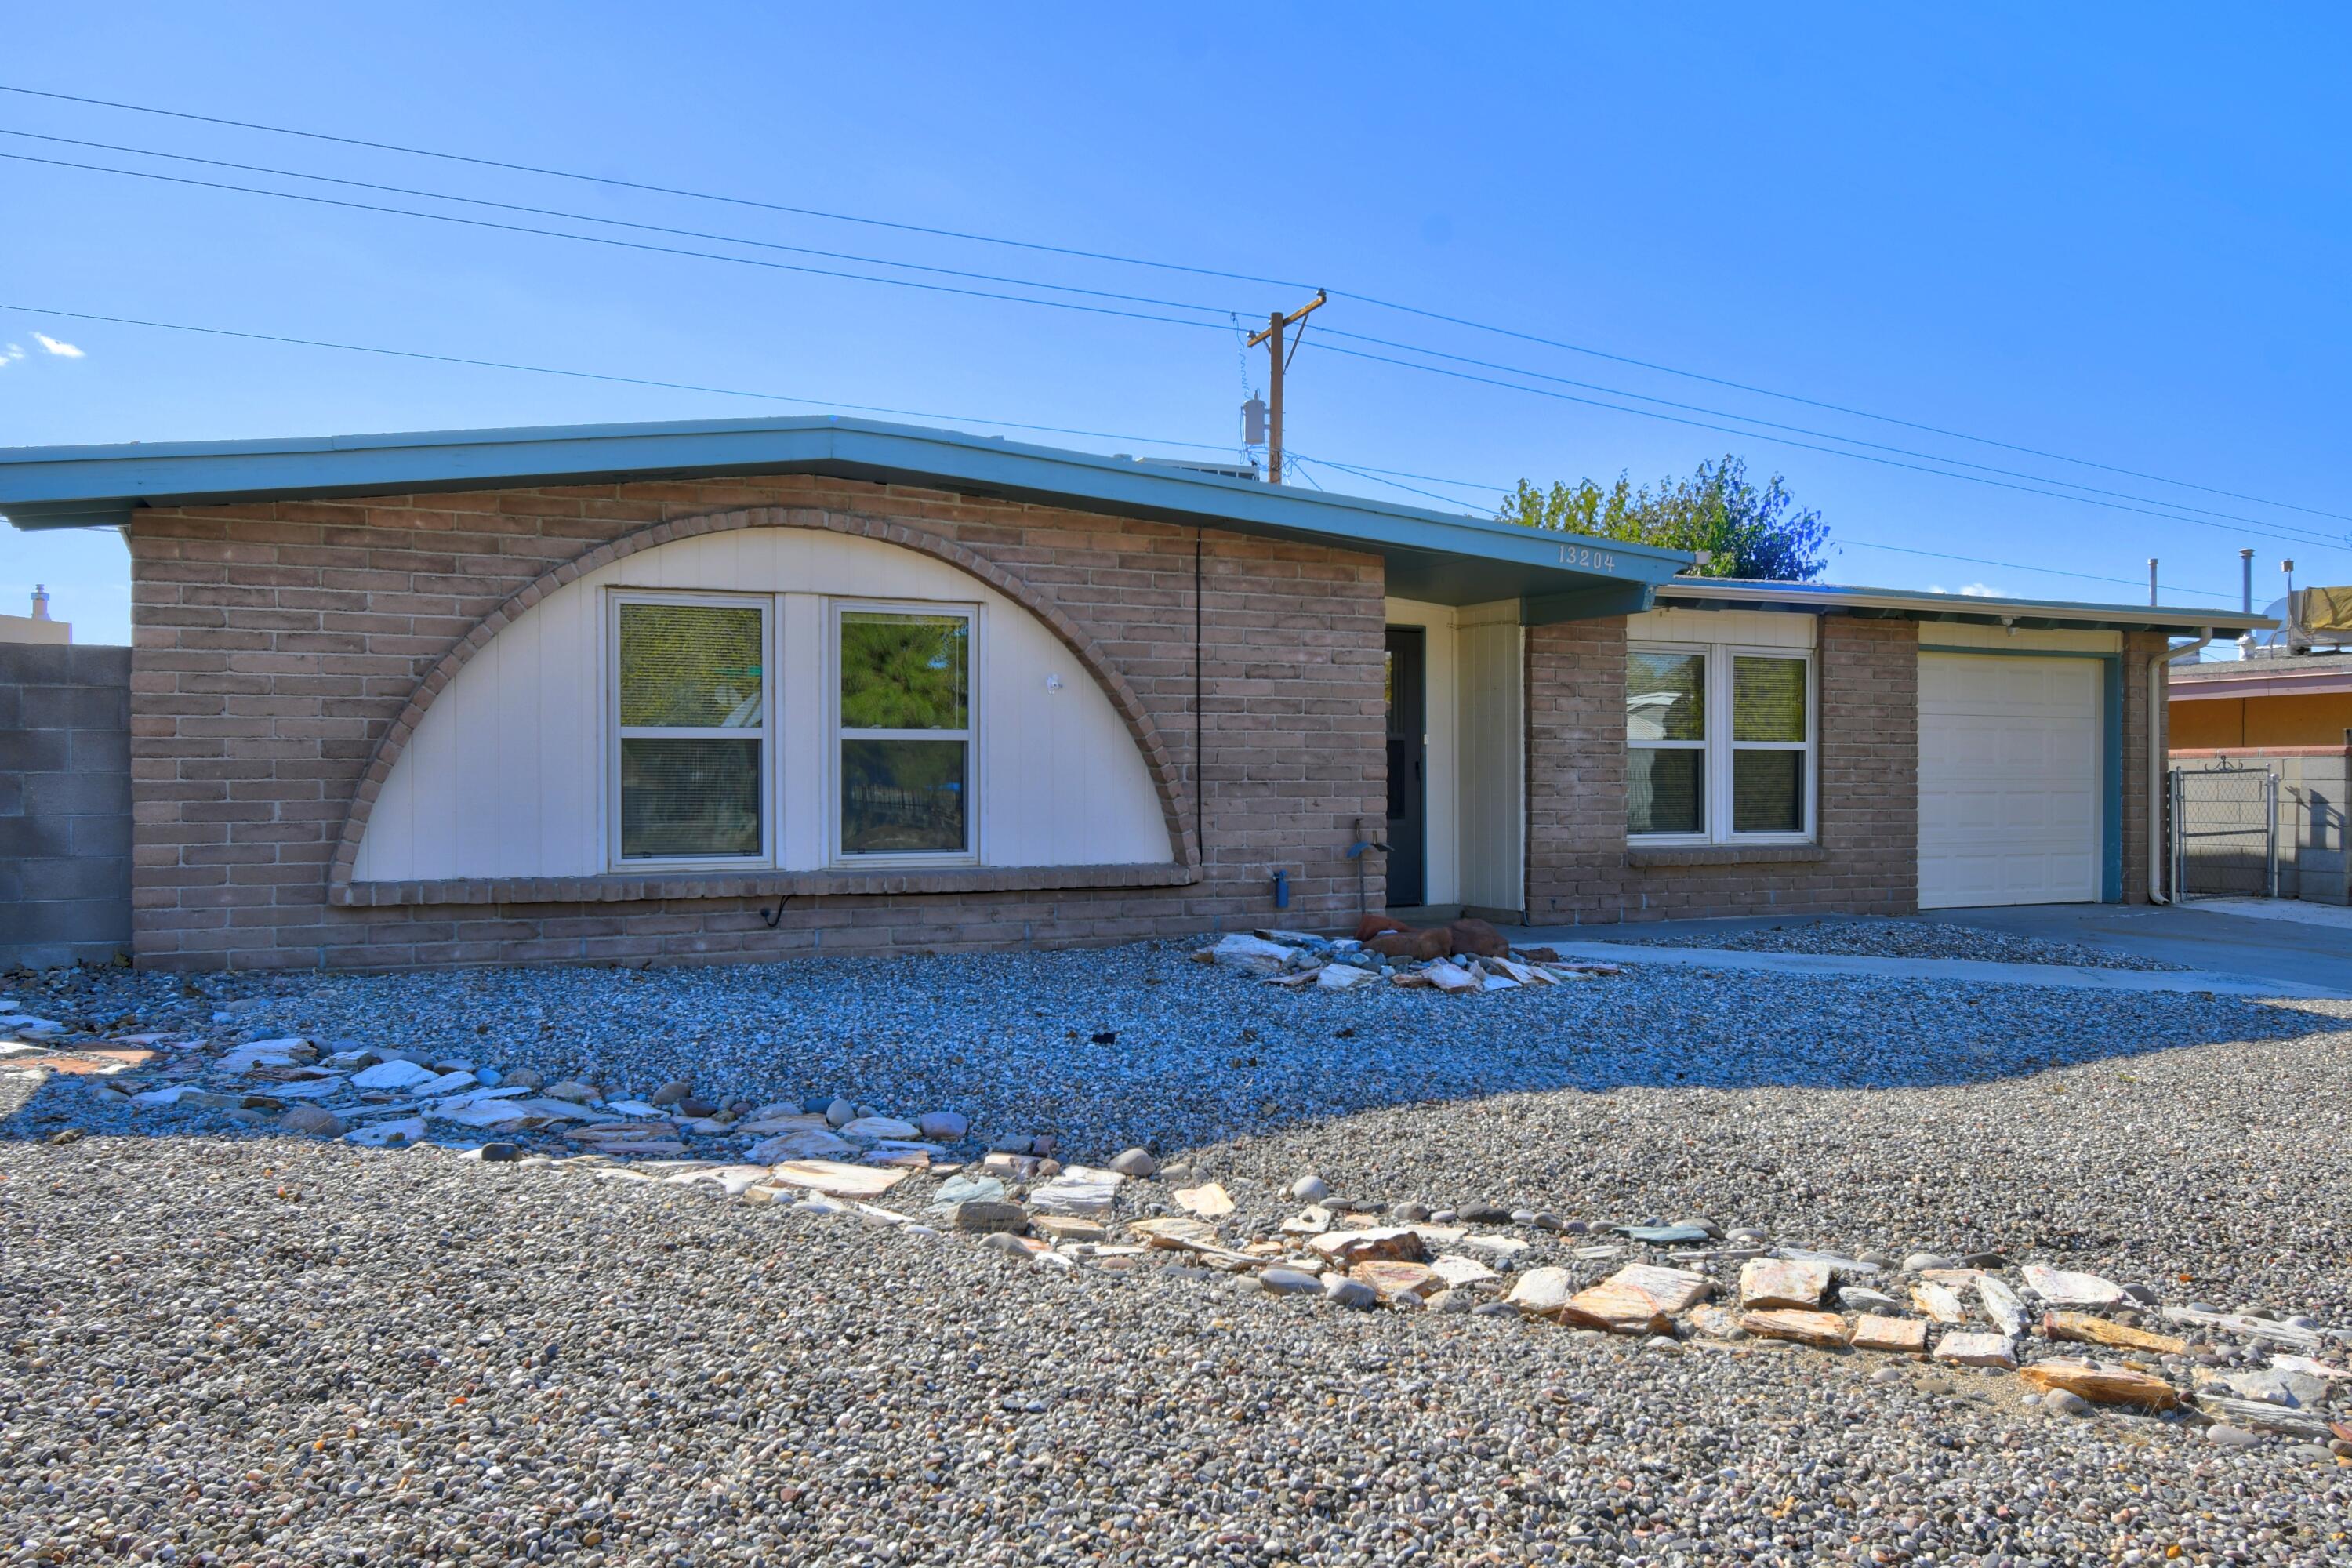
<point x="1443" y="557"/>
<point x="2038" y="614"/>
<point x="2285" y="675"/>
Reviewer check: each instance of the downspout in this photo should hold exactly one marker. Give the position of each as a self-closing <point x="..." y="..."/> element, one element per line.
<point x="2156" y="759"/>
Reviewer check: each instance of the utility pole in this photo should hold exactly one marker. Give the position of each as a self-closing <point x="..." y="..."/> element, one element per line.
<point x="1277" y="326"/>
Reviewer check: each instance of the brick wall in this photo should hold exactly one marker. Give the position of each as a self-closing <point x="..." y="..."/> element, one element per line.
<point x="276" y="643"/>
<point x="1578" y="870"/>
<point x="65" y="805"/>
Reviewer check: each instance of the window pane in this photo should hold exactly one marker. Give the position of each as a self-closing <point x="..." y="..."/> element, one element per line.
<point x="902" y="672"/>
<point x="690" y="666"/>
<point x="1767" y="792"/>
<point x="902" y="797"/>
<point x="1665" y="697"/>
<point x="1767" y="699"/>
<point x="690" y="797"/>
<point x="1662" y="791"/>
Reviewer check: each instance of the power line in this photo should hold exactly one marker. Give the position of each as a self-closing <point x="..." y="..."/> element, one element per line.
<point x="1022" y="282"/>
<point x="599" y="376"/>
<point x="661" y="190"/>
<point x="1359" y="472"/>
<point x="1843" y="543"/>
<point x="1818" y="403"/>
<point x="2306" y="539"/>
<point x="613" y="222"/>
<point x="2271" y="533"/>
<point x="1818" y="435"/>
<point x="1374" y="476"/>
<point x="615" y="243"/>
<point x="1114" y="258"/>
<point x="2046" y="571"/>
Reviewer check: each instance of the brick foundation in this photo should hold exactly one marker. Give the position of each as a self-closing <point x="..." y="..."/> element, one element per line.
<point x="1579" y="870"/>
<point x="278" y="644"/>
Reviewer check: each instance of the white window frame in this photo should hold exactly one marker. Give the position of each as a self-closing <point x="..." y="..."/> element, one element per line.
<point x="1715" y="805"/>
<point x="767" y="735"/>
<point x="834" y="733"/>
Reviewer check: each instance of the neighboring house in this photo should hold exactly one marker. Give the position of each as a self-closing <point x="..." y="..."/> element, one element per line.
<point x="2270" y="700"/>
<point x="37" y="628"/>
<point x="2289" y="715"/>
<point x="767" y="688"/>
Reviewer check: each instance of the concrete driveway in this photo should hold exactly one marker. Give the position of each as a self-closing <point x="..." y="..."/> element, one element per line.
<point x="2303" y="949"/>
<point x="2307" y="944"/>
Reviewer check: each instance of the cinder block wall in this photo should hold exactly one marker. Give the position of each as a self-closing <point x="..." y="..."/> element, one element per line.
<point x="65" y="805"/>
<point x="1579" y="870"/>
<point x="276" y="643"/>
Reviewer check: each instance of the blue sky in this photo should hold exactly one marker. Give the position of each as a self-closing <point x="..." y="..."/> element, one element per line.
<point x="2115" y="234"/>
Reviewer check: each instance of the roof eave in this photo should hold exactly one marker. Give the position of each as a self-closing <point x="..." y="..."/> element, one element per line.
<point x="1449" y="557"/>
<point x="2032" y="615"/>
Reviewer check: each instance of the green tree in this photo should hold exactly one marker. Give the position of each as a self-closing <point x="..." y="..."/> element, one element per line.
<point x="1747" y="532"/>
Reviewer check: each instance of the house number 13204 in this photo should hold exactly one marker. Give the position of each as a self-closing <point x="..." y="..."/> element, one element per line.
<point x="1585" y="556"/>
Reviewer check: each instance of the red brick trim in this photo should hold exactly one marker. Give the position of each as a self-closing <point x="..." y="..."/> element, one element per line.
<point x="888" y="531"/>
<point x="629" y="887"/>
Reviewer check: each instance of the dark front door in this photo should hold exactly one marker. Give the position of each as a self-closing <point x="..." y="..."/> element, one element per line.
<point x="1408" y="719"/>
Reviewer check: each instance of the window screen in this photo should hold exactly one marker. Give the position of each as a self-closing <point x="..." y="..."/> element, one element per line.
<point x="693" y="709"/>
<point x="1715" y="725"/>
<point x="906" y="733"/>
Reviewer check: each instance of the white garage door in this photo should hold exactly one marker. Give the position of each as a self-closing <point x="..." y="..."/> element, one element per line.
<point x="2009" y="779"/>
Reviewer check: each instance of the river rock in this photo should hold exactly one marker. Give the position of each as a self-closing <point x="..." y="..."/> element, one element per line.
<point x="316" y="1120"/>
<point x="1775" y="1282"/>
<point x="981" y="1217"/>
<point x="1896" y="1336"/>
<point x="2089" y="1328"/>
<point x="2102" y="1384"/>
<point x="1978" y="1350"/>
<point x="2061" y="1288"/>
<point x="1825" y="1330"/>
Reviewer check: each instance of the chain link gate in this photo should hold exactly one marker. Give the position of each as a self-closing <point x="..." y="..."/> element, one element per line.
<point x="2224" y="833"/>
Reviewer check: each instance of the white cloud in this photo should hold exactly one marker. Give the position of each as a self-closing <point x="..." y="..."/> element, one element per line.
<point x="63" y="351"/>
<point x="1973" y="590"/>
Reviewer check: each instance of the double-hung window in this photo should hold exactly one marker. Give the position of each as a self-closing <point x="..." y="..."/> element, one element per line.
<point x="1719" y="744"/>
<point x="903" y="731"/>
<point x="794" y="730"/>
<point x="690" y="695"/>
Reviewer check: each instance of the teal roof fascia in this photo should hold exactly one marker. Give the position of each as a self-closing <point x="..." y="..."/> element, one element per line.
<point x="1443" y="557"/>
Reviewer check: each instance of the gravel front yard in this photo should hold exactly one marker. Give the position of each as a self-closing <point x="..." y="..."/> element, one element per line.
<point x="1910" y="938"/>
<point x="263" y="1349"/>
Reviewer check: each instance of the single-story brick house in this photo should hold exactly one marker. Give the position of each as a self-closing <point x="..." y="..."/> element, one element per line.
<point x="763" y="688"/>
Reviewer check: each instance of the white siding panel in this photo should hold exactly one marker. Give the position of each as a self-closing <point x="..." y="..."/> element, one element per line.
<point x="2009" y="785"/>
<point x="2054" y="639"/>
<point x="1742" y="628"/>
<point x="1492" y="711"/>
<point x="505" y="775"/>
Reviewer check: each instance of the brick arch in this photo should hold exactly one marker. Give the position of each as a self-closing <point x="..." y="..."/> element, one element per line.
<point x="1140" y="726"/>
